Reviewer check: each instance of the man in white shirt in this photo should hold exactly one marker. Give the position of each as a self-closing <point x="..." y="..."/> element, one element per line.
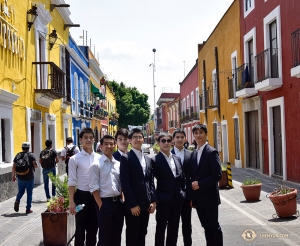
<point x="86" y="219"/>
<point x="106" y="188"/>
<point x="68" y="151"/>
<point x="121" y="138"/>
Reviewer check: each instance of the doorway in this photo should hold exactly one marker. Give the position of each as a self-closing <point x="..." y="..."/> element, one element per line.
<point x="253" y="160"/>
<point x="277" y="134"/>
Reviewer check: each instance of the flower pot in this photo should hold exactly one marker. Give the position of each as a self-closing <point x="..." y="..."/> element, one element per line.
<point x="252" y="192"/>
<point x="58" y="228"/>
<point x="284" y="204"/>
<point x="223" y="183"/>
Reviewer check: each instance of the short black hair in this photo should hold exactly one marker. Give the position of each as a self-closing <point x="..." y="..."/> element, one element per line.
<point x="86" y="130"/>
<point x="199" y="127"/>
<point x="106" y="137"/>
<point x="48" y="143"/>
<point x="123" y="132"/>
<point x="178" y="130"/>
<point x="25" y="148"/>
<point x="69" y="140"/>
<point x="164" y="134"/>
<point x="135" y="130"/>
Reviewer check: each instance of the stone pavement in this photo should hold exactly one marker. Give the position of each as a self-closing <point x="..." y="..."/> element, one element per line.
<point x="237" y="217"/>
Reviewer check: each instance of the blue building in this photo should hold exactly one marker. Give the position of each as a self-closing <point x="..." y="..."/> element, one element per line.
<point x="80" y="89"/>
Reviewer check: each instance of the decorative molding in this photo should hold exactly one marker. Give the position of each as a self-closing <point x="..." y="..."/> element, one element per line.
<point x="43" y="17"/>
<point x="66" y="117"/>
<point x="77" y="59"/>
<point x="8" y="98"/>
<point x="95" y="67"/>
<point x="64" y="12"/>
<point x="43" y="100"/>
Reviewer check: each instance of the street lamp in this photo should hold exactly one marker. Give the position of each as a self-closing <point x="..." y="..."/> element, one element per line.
<point x="153" y="66"/>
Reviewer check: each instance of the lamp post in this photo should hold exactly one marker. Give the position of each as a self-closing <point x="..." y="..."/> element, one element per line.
<point x="154" y="115"/>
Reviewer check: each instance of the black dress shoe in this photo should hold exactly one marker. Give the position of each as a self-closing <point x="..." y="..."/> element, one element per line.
<point x="16" y="206"/>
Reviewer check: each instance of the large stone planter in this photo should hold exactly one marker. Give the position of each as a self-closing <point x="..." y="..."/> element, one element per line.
<point x="252" y="192"/>
<point x="58" y="228"/>
<point x="284" y="204"/>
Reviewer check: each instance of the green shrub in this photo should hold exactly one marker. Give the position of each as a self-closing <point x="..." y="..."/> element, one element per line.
<point x="251" y="181"/>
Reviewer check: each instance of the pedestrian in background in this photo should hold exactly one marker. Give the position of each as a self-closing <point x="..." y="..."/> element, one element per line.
<point x="48" y="160"/>
<point x="23" y="168"/>
<point x="86" y="219"/>
<point x="205" y="175"/>
<point x="68" y="151"/>
<point x="179" y="137"/>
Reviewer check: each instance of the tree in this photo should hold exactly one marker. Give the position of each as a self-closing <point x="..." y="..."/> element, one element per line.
<point x="132" y="106"/>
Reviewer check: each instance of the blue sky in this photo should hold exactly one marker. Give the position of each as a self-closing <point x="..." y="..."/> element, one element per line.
<point x="124" y="32"/>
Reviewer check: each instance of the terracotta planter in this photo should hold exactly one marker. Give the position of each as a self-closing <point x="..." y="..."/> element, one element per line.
<point x="252" y="192"/>
<point x="58" y="228"/>
<point x="285" y="204"/>
<point x="223" y="183"/>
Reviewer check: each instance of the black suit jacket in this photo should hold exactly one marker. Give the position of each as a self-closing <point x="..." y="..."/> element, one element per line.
<point x="170" y="189"/>
<point x="186" y="169"/>
<point x="139" y="189"/>
<point x="117" y="155"/>
<point x="207" y="172"/>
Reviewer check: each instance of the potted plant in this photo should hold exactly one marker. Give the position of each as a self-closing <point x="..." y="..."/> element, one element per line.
<point x="223" y="183"/>
<point x="58" y="225"/>
<point x="251" y="189"/>
<point x="284" y="200"/>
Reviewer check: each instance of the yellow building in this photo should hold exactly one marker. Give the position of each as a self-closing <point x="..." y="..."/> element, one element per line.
<point x="34" y="90"/>
<point x="112" y="111"/>
<point x="220" y="109"/>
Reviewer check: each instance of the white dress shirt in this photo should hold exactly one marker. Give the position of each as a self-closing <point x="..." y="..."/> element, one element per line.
<point x="199" y="152"/>
<point x="171" y="162"/>
<point x="69" y="146"/>
<point x="78" y="169"/>
<point x="121" y="153"/>
<point x="179" y="153"/>
<point x="141" y="158"/>
<point x="104" y="176"/>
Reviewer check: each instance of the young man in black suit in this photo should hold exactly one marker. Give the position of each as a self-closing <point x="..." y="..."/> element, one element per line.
<point x="179" y="138"/>
<point x="138" y="186"/>
<point x="121" y="138"/>
<point x="171" y="183"/>
<point x="205" y="175"/>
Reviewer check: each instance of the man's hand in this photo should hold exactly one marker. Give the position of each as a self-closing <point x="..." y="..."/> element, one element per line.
<point x="195" y="185"/>
<point x="136" y="211"/>
<point x="72" y="207"/>
<point x="13" y="178"/>
<point x="152" y="207"/>
<point x="99" y="203"/>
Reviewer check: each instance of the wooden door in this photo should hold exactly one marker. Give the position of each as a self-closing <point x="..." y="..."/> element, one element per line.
<point x="253" y="140"/>
<point x="277" y="141"/>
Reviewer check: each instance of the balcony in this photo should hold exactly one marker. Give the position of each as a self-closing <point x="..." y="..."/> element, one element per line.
<point x="50" y="83"/>
<point x="211" y="96"/>
<point x="267" y="75"/>
<point x="113" y="121"/>
<point x="245" y="81"/>
<point x="194" y="114"/>
<point x="100" y="113"/>
<point x="295" y="38"/>
<point x="231" y="91"/>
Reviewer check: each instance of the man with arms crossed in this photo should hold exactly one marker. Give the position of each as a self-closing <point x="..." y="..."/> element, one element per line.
<point x="139" y="190"/>
<point x="106" y="188"/>
<point x="86" y="219"/>
<point x="121" y="138"/>
<point x="179" y="139"/>
<point x="205" y="175"/>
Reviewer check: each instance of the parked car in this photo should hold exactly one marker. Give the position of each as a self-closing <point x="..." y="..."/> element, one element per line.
<point x="146" y="148"/>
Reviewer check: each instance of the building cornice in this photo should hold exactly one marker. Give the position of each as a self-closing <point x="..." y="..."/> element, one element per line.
<point x="78" y="60"/>
<point x="95" y="68"/>
<point x="64" y="12"/>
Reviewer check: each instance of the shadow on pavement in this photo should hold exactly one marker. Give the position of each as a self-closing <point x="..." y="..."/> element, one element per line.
<point x="277" y="219"/>
<point x="244" y="201"/>
<point x="14" y="215"/>
<point x="39" y="202"/>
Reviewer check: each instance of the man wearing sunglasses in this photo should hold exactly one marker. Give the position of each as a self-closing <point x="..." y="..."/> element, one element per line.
<point x="179" y="139"/>
<point x="171" y="184"/>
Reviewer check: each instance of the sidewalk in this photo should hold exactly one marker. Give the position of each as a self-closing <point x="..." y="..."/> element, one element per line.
<point x="236" y="217"/>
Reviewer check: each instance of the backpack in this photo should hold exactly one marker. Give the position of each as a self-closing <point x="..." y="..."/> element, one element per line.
<point x="69" y="153"/>
<point x="22" y="163"/>
<point x="47" y="158"/>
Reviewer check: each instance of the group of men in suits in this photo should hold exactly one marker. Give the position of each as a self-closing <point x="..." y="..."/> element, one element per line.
<point x="122" y="184"/>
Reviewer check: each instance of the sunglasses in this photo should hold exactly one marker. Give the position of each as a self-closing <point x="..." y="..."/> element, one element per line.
<point x="166" y="140"/>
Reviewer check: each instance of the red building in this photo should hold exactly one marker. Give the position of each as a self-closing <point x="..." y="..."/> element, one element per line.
<point x="269" y="85"/>
<point x="167" y="112"/>
<point x="189" y="102"/>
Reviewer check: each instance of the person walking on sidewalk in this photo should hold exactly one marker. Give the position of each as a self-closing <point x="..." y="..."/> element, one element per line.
<point x="48" y="160"/>
<point x="171" y="183"/>
<point x="68" y="151"/>
<point x="121" y="138"/>
<point x="205" y="175"/>
<point x="139" y="190"/>
<point x="186" y="210"/>
<point x="106" y="188"/>
<point x="86" y="219"/>
<point x="23" y="170"/>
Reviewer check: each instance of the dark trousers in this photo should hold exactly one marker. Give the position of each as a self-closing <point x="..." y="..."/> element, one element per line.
<point x="136" y="228"/>
<point x="110" y="222"/>
<point x="167" y="216"/>
<point x="209" y="221"/>
<point x="86" y="219"/>
<point x="186" y="219"/>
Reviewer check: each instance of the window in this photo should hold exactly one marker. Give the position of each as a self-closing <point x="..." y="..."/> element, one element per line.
<point x="188" y="102"/>
<point x="248" y="7"/>
<point x="247" y="4"/>
<point x="76" y="94"/>
<point x="215" y="125"/>
<point x="273" y="49"/>
<point x="251" y="60"/>
<point x="197" y="99"/>
<point x="236" y="138"/>
<point x="214" y="88"/>
<point x="81" y="90"/>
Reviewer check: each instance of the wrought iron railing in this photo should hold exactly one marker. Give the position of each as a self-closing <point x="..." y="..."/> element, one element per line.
<point x="295" y="38"/>
<point x="172" y="123"/>
<point x="245" y="77"/>
<point x="211" y="96"/>
<point x="231" y="93"/>
<point x="194" y="115"/>
<point x="266" y="65"/>
<point x="201" y="101"/>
